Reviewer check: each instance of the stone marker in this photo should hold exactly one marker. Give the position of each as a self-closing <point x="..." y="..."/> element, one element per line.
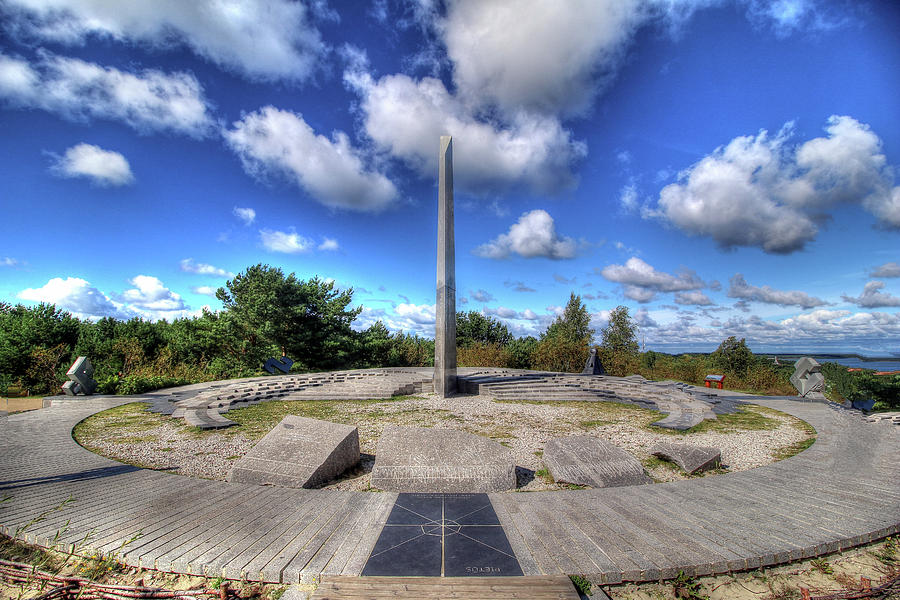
<point x="692" y="459"/>
<point x="445" y="313"/>
<point x="418" y="459"/>
<point x="593" y="366"/>
<point x="808" y="378"/>
<point x="81" y="378"/>
<point x="299" y="452"/>
<point x="586" y="460"/>
<point x="283" y="365"/>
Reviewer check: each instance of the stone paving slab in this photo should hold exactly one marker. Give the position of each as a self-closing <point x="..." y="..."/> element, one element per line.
<point x="839" y="493"/>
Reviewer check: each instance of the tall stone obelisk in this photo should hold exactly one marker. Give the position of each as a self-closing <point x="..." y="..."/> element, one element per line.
<point x="445" y="327"/>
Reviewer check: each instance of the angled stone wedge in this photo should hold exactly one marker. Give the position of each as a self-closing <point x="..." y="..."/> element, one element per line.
<point x="299" y="453"/>
<point x="419" y="459"/>
<point x="586" y="460"/>
<point x="693" y="459"/>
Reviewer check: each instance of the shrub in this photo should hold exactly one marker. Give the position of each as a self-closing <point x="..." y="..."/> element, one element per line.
<point x="733" y="357"/>
<point x="138" y="384"/>
<point x="558" y="353"/>
<point x="43" y="375"/>
<point x="109" y="385"/>
<point x="690" y="369"/>
<point x="522" y="351"/>
<point x="479" y="354"/>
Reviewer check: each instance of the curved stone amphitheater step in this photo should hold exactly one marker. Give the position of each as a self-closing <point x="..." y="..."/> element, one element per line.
<point x="684" y="407"/>
<point x="204" y="409"/>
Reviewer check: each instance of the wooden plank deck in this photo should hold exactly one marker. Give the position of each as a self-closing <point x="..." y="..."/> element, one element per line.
<point x="546" y="587"/>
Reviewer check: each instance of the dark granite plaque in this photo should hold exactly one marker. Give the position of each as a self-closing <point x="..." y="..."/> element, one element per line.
<point x="442" y="535"/>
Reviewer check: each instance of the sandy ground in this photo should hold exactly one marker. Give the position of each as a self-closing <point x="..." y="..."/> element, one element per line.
<point x="823" y="576"/>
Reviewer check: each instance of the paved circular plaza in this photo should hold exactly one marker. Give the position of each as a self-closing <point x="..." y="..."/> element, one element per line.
<point x="841" y="492"/>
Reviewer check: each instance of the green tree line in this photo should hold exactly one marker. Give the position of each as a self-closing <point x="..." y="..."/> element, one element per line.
<point x="267" y="313"/>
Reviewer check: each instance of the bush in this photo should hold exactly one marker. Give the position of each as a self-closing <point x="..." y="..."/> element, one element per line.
<point x="138" y="384"/>
<point x="733" y="357"/>
<point x="690" y="369"/>
<point x="560" y="354"/>
<point x="109" y="385"/>
<point x="45" y="373"/>
<point x="522" y="351"/>
<point x="479" y="354"/>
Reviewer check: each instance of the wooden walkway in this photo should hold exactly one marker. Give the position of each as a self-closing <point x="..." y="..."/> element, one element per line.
<point x="553" y="587"/>
<point x="841" y="492"/>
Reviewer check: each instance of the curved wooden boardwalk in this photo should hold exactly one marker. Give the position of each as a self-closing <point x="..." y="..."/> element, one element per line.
<point x="842" y="492"/>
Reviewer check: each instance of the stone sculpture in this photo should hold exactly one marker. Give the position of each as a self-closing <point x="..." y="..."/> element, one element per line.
<point x="81" y="378"/>
<point x="283" y="365"/>
<point x="808" y="378"/>
<point x="299" y="453"/>
<point x="593" y="366"/>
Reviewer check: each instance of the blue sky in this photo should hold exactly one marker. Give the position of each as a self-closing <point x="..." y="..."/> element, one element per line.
<point x="720" y="167"/>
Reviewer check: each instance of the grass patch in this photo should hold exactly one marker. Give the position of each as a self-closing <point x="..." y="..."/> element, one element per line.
<point x="594" y="423"/>
<point x="653" y="462"/>
<point x="544" y="474"/>
<point x="793" y="449"/>
<point x="747" y="418"/>
<point x="253" y="422"/>
<point x="124" y="420"/>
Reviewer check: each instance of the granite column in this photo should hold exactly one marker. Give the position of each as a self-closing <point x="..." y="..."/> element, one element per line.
<point x="445" y="326"/>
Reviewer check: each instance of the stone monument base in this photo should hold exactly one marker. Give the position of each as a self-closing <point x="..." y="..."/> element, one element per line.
<point x="417" y="459"/>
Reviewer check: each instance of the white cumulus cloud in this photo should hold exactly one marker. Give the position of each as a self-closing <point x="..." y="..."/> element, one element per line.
<point x="77" y="296"/>
<point x="151" y="297"/>
<point x="81" y="91"/>
<point x="760" y="191"/>
<point x="873" y="297"/>
<point x="189" y="266"/>
<point x="641" y="282"/>
<point x="739" y="288"/>
<point x="331" y="171"/>
<point x="102" y="167"/>
<point x="533" y="235"/>
<point x="247" y="215"/>
<point x="287" y="242"/>
<point x="543" y="56"/>
<point x="406" y="118"/>
<point x="422" y="314"/>
<point x="204" y="290"/>
<point x="7" y="261"/>
<point x="261" y="39"/>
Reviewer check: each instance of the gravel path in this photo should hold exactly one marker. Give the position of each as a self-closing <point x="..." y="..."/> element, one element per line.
<point x="523" y="427"/>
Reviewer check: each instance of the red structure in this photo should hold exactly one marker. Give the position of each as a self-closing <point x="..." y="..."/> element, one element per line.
<point x="718" y="379"/>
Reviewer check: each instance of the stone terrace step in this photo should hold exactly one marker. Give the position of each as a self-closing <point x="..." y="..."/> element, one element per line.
<point x="552" y="587"/>
<point x="204" y="409"/>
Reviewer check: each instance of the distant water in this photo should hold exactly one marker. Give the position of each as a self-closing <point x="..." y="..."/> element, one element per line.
<point x="853" y="362"/>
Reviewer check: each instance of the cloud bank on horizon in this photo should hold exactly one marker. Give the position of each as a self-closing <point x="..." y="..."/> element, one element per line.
<point x="598" y="149"/>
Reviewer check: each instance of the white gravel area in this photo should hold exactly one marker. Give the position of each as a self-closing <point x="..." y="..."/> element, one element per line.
<point x="523" y="427"/>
